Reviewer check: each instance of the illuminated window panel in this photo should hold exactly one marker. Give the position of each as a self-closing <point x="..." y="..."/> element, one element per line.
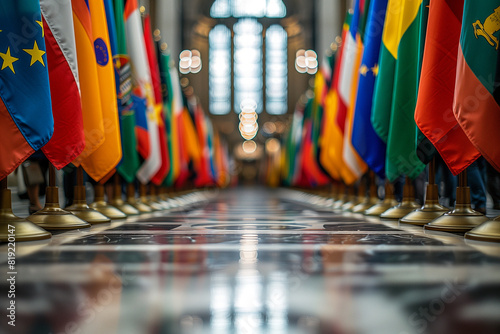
<point x="249" y="8"/>
<point x="221" y="9"/>
<point x="219" y="71"/>
<point x="276" y="71"/>
<point x="248" y="70"/>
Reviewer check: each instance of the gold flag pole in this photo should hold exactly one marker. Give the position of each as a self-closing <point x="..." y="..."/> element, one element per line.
<point x="13" y="228"/>
<point x="353" y="198"/>
<point x="342" y="197"/>
<point x="388" y="202"/>
<point x="406" y="206"/>
<point x="150" y="200"/>
<point x="431" y="208"/>
<point x="463" y="218"/>
<point x="102" y="206"/>
<point x="117" y="200"/>
<point x="80" y="207"/>
<point x="52" y="217"/>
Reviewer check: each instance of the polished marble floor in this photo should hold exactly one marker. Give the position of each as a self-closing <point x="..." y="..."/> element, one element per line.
<point x="254" y="260"/>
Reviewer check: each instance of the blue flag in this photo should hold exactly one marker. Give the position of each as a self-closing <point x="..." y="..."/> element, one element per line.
<point x="26" y="122"/>
<point x="364" y="139"/>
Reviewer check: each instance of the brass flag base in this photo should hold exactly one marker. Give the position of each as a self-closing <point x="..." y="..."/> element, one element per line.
<point x="487" y="231"/>
<point x="118" y="202"/>
<point x="384" y="205"/>
<point x="131" y="200"/>
<point x="365" y="205"/>
<point x="18" y="229"/>
<point x="83" y="211"/>
<point x="103" y="207"/>
<point x="52" y="217"/>
<point x="463" y="218"/>
<point x="429" y="211"/>
<point x="406" y="206"/>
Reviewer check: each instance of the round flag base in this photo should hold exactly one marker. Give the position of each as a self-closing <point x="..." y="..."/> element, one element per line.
<point x="487" y="231"/>
<point x="84" y="212"/>
<point x="108" y="210"/>
<point x="400" y="210"/>
<point x="425" y="214"/>
<point x="462" y="219"/>
<point x="365" y="205"/>
<point x="126" y="208"/>
<point x="13" y="228"/>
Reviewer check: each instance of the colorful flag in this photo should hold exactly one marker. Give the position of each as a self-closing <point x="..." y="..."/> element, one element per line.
<point x="149" y="146"/>
<point x="102" y="162"/>
<point x="93" y="126"/>
<point x="364" y="139"/>
<point x="177" y="107"/>
<point x="26" y="122"/>
<point x="477" y="90"/>
<point x="402" y="156"/>
<point x="348" y="85"/>
<point x="129" y="165"/>
<point x="434" y="112"/>
<point x="68" y="140"/>
<point x="158" y="108"/>
<point x="384" y="84"/>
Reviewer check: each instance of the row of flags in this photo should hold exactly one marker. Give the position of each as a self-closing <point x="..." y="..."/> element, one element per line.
<point x="411" y="78"/>
<point x="85" y="82"/>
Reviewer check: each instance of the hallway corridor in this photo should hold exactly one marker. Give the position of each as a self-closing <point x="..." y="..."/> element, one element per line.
<point x="255" y="260"/>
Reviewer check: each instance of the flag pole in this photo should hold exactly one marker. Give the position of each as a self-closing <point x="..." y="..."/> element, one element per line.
<point x="52" y="217"/>
<point x="149" y="200"/>
<point x="13" y="228"/>
<point x="342" y="196"/>
<point x="406" y="206"/>
<point x="80" y="207"/>
<point x="353" y="198"/>
<point x="117" y="200"/>
<point x="102" y="206"/>
<point x="462" y="218"/>
<point x="431" y="208"/>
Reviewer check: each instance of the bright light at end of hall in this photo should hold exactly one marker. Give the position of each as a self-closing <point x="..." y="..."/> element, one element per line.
<point x="190" y="61"/>
<point x="249" y="146"/>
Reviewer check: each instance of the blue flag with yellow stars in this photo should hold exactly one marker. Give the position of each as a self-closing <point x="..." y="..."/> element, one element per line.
<point x="364" y="139"/>
<point x="26" y="122"/>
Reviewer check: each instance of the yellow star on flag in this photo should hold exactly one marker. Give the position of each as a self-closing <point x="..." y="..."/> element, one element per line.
<point x="375" y="70"/>
<point x="363" y="70"/>
<point x="8" y="60"/>
<point x="41" y="25"/>
<point x="36" y="54"/>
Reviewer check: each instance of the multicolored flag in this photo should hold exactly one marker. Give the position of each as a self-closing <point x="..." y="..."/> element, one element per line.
<point x="68" y="140"/>
<point x="26" y="122"/>
<point x="158" y="108"/>
<point x="102" y="162"/>
<point x="477" y="90"/>
<point x="129" y="165"/>
<point x="402" y="156"/>
<point x="149" y="146"/>
<point x="93" y="126"/>
<point x="434" y="111"/>
<point x="384" y="85"/>
<point x="364" y="139"/>
<point x="348" y="85"/>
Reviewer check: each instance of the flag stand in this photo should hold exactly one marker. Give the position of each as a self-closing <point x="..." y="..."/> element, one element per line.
<point x="135" y="202"/>
<point x="370" y="198"/>
<point x="117" y="200"/>
<point x="431" y="208"/>
<point x="388" y="202"/>
<point x="149" y="200"/>
<point x="406" y="206"/>
<point x="341" y="198"/>
<point x="52" y="217"/>
<point x="463" y="218"/>
<point x="487" y="231"/>
<point x="80" y="207"/>
<point x="163" y="197"/>
<point x="353" y="198"/>
<point x="10" y="225"/>
<point x="102" y="206"/>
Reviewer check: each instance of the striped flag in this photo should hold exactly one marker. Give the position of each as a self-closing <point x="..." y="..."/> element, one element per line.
<point x="149" y="146"/>
<point x="68" y="140"/>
